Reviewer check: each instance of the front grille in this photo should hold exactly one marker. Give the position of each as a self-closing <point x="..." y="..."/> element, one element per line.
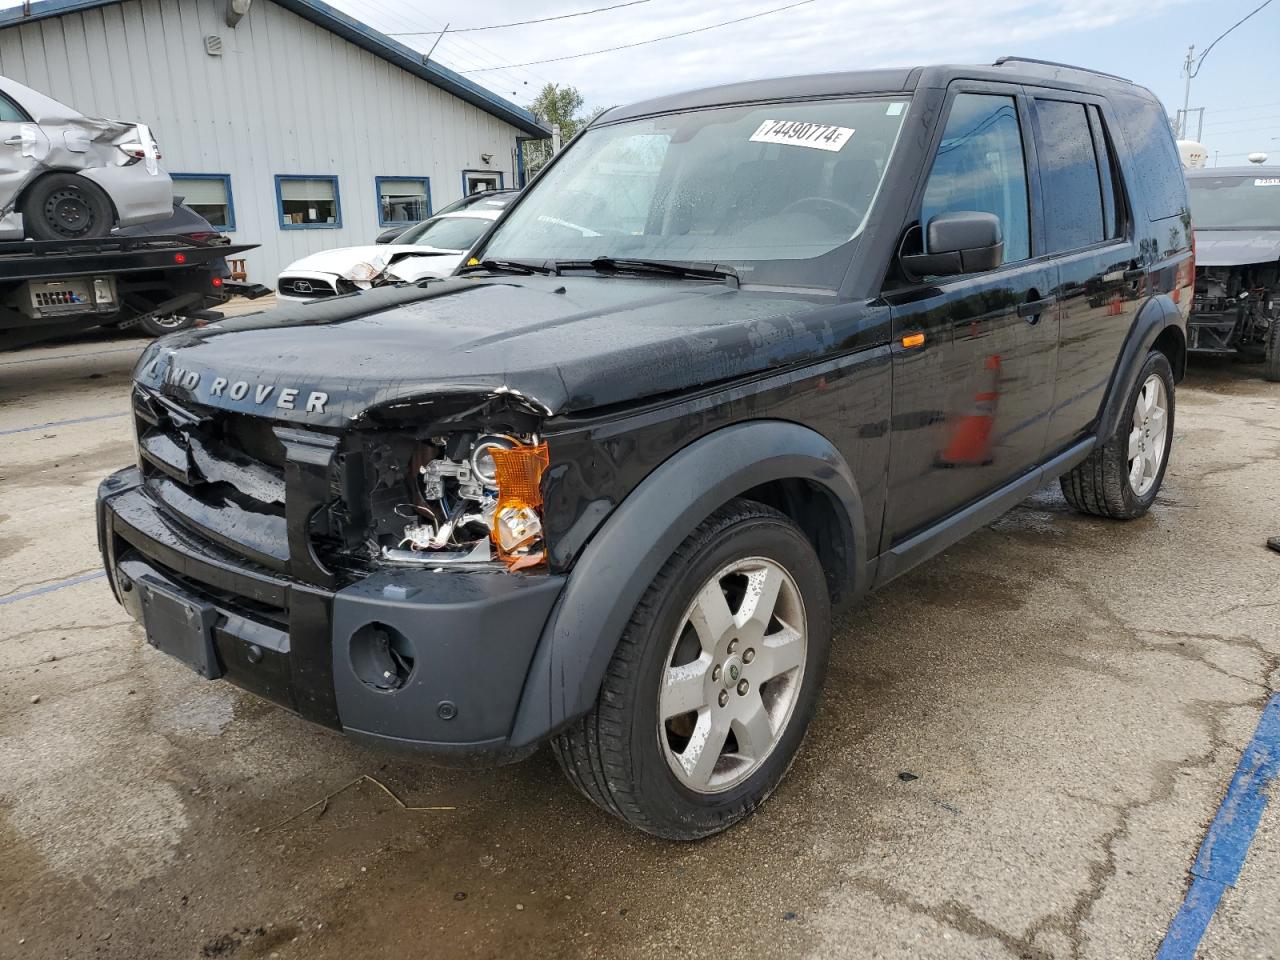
<point x="313" y="288"/>
<point x="219" y="474"/>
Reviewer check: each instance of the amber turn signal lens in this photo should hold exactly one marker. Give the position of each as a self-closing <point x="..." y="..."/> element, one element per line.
<point x="913" y="340"/>
<point x="518" y="474"/>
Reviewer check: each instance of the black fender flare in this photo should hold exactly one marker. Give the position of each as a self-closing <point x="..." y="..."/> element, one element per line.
<point x="1155" y="317"/>
<point x="626" y="553"/>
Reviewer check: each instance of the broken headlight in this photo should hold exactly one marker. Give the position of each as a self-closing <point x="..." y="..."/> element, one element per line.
<point x="365" y="272"/>
<point x="475" y="497"/>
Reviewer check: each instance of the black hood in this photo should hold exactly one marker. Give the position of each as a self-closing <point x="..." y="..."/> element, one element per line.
<point x="1236" y="248"/>
<point x="566" y="344"/>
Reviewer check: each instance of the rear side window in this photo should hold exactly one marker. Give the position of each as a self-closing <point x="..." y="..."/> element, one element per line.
<point x="980" y="166"/>
<point x="1113" y="206"/>
<point x="1073" y="210"/>
<point x="1156" y="166"/>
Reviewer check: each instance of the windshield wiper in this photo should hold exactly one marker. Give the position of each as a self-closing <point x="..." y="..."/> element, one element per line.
<point x="667" y="268"/>
<point x="523" y="267"/>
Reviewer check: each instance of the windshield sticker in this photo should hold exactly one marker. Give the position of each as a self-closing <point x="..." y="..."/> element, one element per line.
<point x="1267" y="182"/>
<point x="895" y="109"/>
<point x="797" y="133"/>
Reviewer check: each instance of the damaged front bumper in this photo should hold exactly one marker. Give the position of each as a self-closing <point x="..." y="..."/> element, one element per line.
<point x="463" y="639"/>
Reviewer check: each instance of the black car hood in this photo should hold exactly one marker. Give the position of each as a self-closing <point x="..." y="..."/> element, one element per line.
<point x="1236" y="248"/>
<point x="564" y="344"/>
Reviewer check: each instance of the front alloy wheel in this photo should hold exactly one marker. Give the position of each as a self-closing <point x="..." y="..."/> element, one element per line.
<point x="1146" y="438"/>
<point x="733" y="675"/>
<point x="711" y="687"/>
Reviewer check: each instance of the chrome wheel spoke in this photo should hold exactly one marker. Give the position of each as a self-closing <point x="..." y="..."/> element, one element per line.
<point x="752" y="728"/>
<point x="703" y="752"/>
<point x="711" y="617"/>
<point x="777" y="654"/>
<point x="760" y="601"/>
<point x="684" y="689"/>
<point x="1135" y="442"/>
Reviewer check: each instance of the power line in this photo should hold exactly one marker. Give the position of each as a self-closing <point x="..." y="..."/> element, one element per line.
<point x="1252" y="106"/>
<point x="641" y="43"/>
<point x="520" y="23"/>
<point x="1252" y="121"/>
<point x="1200" y="62"/>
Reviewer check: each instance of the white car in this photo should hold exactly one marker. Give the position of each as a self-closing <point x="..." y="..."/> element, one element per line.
<point x="65" y="176"/>
<point x="432" y="248"/>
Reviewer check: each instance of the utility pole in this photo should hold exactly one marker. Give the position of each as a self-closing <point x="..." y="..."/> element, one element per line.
<point x="1187" y="66"/>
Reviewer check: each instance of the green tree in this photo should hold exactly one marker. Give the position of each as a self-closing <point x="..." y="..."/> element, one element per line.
<point x="556" y="104"/>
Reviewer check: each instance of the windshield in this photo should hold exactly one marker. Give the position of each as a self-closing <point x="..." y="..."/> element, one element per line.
<point x="1234" y="203"/>
<point x="447" y="233"/>
<point x="774" y="191"/>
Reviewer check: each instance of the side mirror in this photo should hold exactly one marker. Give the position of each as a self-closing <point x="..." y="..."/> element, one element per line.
<point x="966" y="241"/>
<point x="389" y="236"/>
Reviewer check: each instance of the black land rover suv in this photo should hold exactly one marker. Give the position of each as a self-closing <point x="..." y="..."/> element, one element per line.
<point x="735" y="357"/>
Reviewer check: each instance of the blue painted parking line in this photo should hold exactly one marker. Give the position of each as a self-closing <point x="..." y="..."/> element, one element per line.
<point x="50" y="587"/>
<point x="63" y="423"/>
<point x="1225" y="846"/>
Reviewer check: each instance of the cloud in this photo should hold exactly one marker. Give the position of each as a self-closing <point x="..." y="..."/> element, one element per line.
<point x="823" y="36"/>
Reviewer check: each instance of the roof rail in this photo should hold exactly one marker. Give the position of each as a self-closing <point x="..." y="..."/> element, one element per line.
<point x="1053" y="63"/>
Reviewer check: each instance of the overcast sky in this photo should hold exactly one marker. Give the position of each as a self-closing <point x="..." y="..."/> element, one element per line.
<point x="1145" y="40"/>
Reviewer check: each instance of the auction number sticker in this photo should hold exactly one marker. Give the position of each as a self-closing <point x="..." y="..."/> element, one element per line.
<point x="1267" y="182"/>
<point x="798" y="133"/>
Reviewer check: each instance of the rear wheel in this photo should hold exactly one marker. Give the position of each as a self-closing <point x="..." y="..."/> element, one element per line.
<point x="169" y="323"/>
<point x="63" y="206"/>
<point x="1121" y="478"/>
<point x="709" y="693"/>
<point x="1271" y="365"/>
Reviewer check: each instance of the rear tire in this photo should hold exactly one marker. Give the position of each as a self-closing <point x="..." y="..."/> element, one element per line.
<point x="1108" y="483"/>
<point x="1271" y="365"/>
<point x="63" y="206"/>
<point x="160" y="326"/>
<point x="638" y="754"/>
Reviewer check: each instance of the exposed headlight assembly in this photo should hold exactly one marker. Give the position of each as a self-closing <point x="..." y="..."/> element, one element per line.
<point x="365" y="271"/>
<point x="471" y="503"/>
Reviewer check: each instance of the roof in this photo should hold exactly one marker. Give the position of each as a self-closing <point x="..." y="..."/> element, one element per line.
<point x="350" y="29"/>
<point x="857" y="82"/>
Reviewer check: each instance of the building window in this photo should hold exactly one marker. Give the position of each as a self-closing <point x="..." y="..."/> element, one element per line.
<point x="477" y="181"/>
<point x="208" y="194"/>
<point x="308" y="203"/>
<point x="403" y="200"/>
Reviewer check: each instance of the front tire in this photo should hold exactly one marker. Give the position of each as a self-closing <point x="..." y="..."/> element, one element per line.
<point x="1271" y="365"/>
<point x="712" y="686"/>
<point x="164" y="325"/>
<point x="1122" y="477"/>
<point x="63" y="206"/>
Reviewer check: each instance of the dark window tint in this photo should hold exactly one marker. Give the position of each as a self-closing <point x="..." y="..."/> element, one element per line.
<point x="980" y="166"/>
<point x="1113" y="208"/>
<point x="1069" y="176"/>
<point x="10" y="112"/>
<point x="1156" y="166"/>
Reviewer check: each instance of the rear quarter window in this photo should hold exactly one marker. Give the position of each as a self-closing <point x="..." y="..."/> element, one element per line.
<point x="1157" y="169"/>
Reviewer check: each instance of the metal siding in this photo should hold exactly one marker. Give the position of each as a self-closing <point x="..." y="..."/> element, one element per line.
<point x="286" y="96"/>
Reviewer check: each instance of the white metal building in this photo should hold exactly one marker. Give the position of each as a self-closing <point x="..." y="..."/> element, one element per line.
<point x="288" y="124"/>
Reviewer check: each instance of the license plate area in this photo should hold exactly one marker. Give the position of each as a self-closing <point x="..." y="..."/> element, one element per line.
<point x="180" y="625"/>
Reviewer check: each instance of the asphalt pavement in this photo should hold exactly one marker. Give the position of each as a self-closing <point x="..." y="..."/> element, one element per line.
<point x="1019" y="751"/>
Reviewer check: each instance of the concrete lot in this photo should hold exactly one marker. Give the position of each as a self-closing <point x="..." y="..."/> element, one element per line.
<point x="1020" y="747"/>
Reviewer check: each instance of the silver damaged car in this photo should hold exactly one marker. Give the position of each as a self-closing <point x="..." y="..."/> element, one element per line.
<point x="65" y="176"/>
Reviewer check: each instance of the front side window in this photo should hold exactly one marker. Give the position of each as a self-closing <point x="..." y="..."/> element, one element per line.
<point x="1235" y="203"/>
<point x="403" y="200"/>
<point x="980" y="167"/>
<point x="208" y="194"/>
<point x="1073" y="214"/>
<point x="10" y="112"/>
<point x="775" y="191"/>
<point x="308" y="202"/>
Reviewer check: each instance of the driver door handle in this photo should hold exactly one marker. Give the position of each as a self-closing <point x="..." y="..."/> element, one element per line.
<point x="1031" y="310"/>
<point x="13" y="141"/>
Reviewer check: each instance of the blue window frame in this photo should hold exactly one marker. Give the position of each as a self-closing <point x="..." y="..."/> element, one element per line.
<point x="208" y="194"/>
<point x="469" y="178"/>
<point x="308" y="201"/>
<point x="402" y="200"/>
